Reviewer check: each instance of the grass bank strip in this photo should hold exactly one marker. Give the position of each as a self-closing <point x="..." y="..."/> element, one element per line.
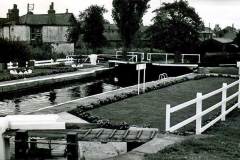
<point x="110" y="94"/>
<point x="223" y="144"/>
<point x="36" y="82"/>
<point x="49" y="77"/>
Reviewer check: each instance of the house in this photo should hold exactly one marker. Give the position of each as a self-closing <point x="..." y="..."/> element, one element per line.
<point x="229" y="32"/>
<point x="216" y="46"/>
<point x="206" y="33"/>
<point x="114" y="40"/>
<point x="112" y="35"/>
<point x="35" y="29"/>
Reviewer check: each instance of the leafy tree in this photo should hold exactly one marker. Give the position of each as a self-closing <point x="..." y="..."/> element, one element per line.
<point x="14" y="51"/>
<point x="237" y="40"/>
<point x="93" y="26"/>
<point x="176" y="28"/>
<point x="74" y="32"/>
<point x="127" y="15"/>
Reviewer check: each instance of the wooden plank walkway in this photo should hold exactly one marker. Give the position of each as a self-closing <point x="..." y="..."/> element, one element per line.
<point x="95" y="135"/>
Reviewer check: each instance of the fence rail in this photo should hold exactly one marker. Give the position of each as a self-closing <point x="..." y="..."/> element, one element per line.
<point x="166" y="55"/>
<point x="192" y="55"/>
<point x="200" y="112"/>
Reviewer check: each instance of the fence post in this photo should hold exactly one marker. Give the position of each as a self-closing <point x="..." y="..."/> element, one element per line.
<point x="224" y="97"/>
<point x="168" y="117"/>
<point x="166" y="58"/>
<point x="198" y="112"/>
<point x="72" y="146"/>
<point x="21" y="144"/>
<point x="238" y="65"/>
<point x="182" y="58"/>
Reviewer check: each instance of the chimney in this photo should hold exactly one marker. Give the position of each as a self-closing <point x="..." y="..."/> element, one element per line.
<point x="51" y="9"/>
<point x="51" y="14"/>
<point x="233" y="27"/>
<point x="13" y="14"/>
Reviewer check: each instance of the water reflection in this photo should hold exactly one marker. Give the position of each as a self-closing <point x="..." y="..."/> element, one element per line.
<point x="17" y="106"/>
<point x="27" y="103"/>
<point x="52" y="96"/>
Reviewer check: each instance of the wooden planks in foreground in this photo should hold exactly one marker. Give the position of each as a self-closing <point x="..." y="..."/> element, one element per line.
<point x="95" y="135"/>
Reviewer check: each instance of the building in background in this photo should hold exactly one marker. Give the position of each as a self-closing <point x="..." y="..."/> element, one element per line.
<point x="37" y="29"/>
<point x="206" y="34"/>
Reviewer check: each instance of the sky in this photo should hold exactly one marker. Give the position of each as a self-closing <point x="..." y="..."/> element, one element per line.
<point x="222" y="12"/>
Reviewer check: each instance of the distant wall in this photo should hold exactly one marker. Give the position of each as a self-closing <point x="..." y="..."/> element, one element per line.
<point x="65" y="48"/>
<point x="54" y="33"/>
<point x="17" y="32"/>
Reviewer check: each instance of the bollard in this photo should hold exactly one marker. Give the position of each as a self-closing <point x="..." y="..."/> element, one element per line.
<point x="21" y="144"/>
<point x="72" y="146"/>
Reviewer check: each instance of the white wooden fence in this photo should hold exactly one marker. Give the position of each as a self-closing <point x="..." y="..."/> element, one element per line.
<point x="200" y="112"/>
<point x="52" y="62"/>
<point x="133" y="55"/>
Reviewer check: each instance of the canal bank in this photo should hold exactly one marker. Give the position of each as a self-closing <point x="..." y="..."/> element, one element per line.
<point x="44" y="81"/>
<point x="111" y="96"/>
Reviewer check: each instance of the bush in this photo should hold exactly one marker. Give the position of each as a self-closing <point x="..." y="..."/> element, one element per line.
<point x="14" y="51"/>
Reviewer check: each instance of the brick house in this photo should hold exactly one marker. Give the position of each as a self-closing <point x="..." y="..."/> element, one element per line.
<point x="36" y="29"/>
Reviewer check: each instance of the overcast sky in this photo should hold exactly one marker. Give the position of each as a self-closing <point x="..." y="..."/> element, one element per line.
<point x="223" y="12"/>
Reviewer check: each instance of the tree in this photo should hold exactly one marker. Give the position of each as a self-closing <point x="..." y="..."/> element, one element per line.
<point x="74" y="32"/>
<point x="237" y="40"/>
<point x="14" y="51"/>
<point x="93" y="26"/>
<point x="127" y="15"/>
<point x="176" y="28"/>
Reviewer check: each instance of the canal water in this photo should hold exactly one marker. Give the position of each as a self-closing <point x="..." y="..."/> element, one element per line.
<point x="20" y="103"/>
<point x="123" y="76"/>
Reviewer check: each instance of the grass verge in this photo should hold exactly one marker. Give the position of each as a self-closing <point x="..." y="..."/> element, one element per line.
<point x="38" y="71"/>
<point x="149" y="109"/>
<point x="223" y="145"/>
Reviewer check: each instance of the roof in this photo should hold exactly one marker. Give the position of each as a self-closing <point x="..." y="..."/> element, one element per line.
<point x="207" y="30"/>
<point x="223" y="40"/>
<point x="63" y="19"/>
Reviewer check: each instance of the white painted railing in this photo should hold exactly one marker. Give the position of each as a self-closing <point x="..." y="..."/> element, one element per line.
<point x="50" y="62"/>
<point x="200" y="113"/>
<point x="136" y="54"/>
<point x="45" y="63"/>
<point x="134" y="58"/>
<point x="166" y="55"/>
<point x="131" y="54"/>
<point x="191" y="55"/>
<point x="162" y="76"/>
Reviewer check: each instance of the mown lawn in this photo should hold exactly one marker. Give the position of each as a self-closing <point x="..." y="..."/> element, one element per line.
<point x="149" y="108"/>
<point x="224" y="70"/>
<point x="224" y="144"/>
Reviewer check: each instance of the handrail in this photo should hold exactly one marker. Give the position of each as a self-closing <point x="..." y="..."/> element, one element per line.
<point x="162" y="76"/>
<point x="149" y="56"/>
